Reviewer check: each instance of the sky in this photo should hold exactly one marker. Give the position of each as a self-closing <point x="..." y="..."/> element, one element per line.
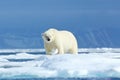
<point x="37" y="13"/>
<point x="82" y="17"/>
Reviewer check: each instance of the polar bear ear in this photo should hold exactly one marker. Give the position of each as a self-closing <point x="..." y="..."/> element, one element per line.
<point x="53" y="29"/>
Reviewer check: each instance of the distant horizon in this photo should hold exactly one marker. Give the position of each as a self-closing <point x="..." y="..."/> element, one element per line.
<point x="94" y="23"/>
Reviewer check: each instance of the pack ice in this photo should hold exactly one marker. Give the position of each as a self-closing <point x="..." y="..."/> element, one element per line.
<point x="88" y="63"/>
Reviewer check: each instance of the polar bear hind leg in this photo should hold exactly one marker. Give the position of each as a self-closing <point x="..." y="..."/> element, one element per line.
<point x="74" y="50"/>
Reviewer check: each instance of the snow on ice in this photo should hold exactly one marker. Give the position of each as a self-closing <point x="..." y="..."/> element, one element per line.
<point x="93" y="64"/>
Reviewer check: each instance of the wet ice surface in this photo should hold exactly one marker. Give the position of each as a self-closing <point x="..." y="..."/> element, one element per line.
<point x="88" y="63"/>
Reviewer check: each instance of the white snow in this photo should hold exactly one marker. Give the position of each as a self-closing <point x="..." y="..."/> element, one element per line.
<point x="94" y="64"/>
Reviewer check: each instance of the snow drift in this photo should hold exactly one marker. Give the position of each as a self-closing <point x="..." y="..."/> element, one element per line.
<point x="22" y="65"/>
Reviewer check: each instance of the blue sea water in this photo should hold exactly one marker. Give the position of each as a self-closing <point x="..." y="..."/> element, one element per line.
<point x="63" y="79"/>
<point x="94" y="23"/>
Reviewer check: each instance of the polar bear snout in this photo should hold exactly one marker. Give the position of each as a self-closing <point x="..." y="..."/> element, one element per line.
<point x="46" y="37"/>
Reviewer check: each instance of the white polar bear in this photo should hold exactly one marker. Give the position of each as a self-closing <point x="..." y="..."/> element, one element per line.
<point x="63" y="41"/>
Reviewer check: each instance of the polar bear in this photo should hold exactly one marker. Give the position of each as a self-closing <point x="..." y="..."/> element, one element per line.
<point x="62" y="41"/>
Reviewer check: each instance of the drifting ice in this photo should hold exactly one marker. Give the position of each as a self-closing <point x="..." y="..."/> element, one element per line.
<point x="94" y="64"/>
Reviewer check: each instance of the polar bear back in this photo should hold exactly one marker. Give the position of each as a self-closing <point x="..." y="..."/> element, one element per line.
<point x="68" y="40"/>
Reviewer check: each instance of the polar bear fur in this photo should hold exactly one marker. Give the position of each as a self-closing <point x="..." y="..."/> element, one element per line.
<point x="63" y="41"/>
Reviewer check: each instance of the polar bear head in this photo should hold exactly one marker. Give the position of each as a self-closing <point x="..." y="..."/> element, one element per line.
<point x="49" y="35"/>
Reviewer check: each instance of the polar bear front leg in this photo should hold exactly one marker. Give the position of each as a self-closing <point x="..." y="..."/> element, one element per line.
<point x="48" y="50"/>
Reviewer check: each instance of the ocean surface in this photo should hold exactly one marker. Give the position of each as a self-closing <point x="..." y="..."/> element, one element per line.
<point x="34" y="64"/>
<point x="95" y="23"/>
